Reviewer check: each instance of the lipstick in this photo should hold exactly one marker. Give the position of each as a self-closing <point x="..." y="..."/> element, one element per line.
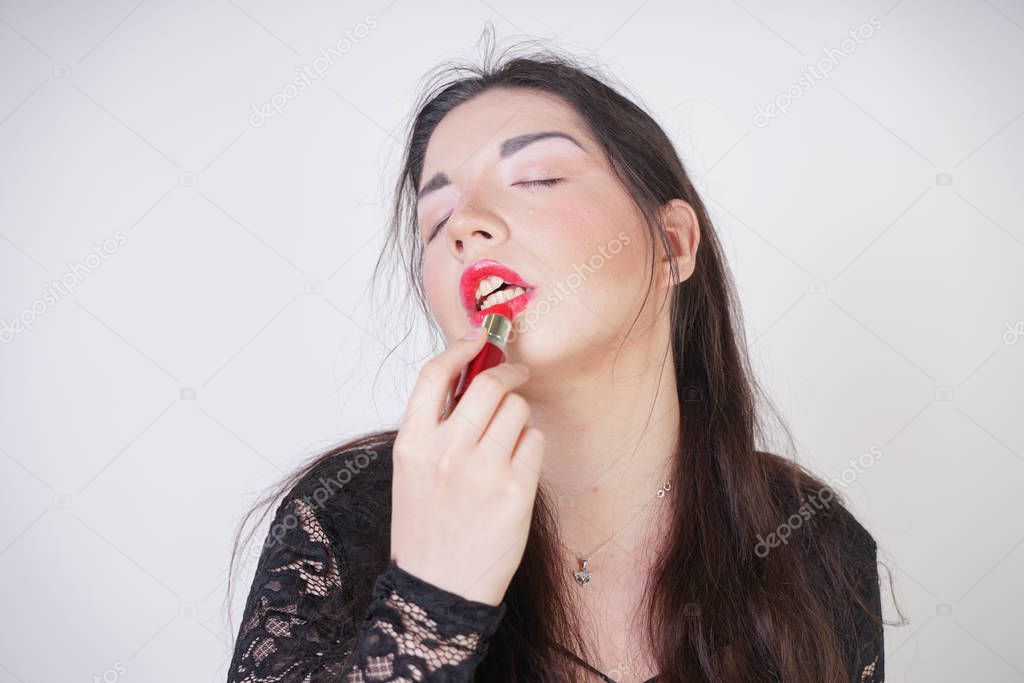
<point x="497" y="325"/>
<point x="481" y="269"/>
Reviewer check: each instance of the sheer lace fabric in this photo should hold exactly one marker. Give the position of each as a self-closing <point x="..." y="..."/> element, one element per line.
<point x="295" y="628"/>
<point x="303" y="624"/>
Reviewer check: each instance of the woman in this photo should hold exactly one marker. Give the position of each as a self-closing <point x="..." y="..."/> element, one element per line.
<point x="595" y="508"/>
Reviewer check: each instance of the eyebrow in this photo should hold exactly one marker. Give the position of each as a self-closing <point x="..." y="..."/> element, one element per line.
<point x="508" y="148"/>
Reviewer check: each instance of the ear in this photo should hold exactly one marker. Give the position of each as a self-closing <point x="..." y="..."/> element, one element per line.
<point x="682" y="230"/>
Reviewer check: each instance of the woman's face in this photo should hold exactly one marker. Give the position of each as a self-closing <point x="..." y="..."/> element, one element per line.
<point x="580" y="242"/>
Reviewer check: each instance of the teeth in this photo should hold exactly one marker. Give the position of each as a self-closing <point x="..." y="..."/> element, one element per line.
<point x="488" y="285"/>
<point x="502" y="296"/>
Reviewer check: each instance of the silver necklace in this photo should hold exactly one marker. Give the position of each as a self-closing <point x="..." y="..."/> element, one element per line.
<point x="582" y="576"/>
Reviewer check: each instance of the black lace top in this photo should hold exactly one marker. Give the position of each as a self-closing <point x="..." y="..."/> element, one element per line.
<point x="323" y="606"/>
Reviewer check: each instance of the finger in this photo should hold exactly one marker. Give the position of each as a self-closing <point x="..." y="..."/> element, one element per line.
<point x="481" y="399"/>
<point x="435" y="381"/>
<point x="528" y="456"/>
<point x="502" y="434"/>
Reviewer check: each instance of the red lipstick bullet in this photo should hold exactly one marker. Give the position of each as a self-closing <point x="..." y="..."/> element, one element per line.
<point x="497" y="324"/>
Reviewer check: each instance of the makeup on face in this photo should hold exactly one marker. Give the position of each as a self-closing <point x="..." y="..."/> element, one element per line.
<point x="487" y="283"/>
<point x="492" y="294"/>
<point x="566" y="144"/>
<point x="508" y="148"/>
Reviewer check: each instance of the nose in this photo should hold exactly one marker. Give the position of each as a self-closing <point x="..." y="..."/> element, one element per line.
<point x="471" y="229"/>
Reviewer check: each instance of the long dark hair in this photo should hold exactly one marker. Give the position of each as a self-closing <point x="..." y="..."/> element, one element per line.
<point x="716" y="610"/>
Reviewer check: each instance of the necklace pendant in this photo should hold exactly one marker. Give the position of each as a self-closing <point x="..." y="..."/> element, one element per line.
<point x="582" y="576"/>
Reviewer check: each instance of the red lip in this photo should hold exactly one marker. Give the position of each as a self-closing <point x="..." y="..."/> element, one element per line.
<point x="482" y="268"/>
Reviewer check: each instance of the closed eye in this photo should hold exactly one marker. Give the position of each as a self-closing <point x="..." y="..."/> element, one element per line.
<point x="543" y="182"/>
<point x="437" y="228"/>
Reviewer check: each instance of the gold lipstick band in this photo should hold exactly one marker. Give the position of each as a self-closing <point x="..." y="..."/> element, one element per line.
<point x="497" y="327"/>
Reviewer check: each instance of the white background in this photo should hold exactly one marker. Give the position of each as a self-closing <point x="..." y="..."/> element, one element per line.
<point x="228" y="339"/>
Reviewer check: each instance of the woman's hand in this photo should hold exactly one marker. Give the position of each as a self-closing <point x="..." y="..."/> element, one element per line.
<point x="463" y="487"/>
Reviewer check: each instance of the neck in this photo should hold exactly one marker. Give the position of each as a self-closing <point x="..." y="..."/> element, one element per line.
<point x="610" y="444"/>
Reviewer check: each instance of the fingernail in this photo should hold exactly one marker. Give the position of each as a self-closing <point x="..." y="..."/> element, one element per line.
<point x="522" y="368"/>
<point x="474" y="333"/>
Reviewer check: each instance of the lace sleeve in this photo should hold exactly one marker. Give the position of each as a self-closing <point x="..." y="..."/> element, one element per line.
<point x="297" y="625"/>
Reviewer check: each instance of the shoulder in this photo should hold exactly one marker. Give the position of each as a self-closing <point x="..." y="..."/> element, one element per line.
<point x="817" y="519"/>
<point x="839" y="556"/>
<point x="348" y="489"/>
<point x="351" y="469"/>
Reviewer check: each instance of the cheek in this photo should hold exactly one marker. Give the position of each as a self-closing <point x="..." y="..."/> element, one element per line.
<point x="595" y="222"/>
<point x="433" y="282"/>
<point x="440" y="286"/>
<point x="601" y="250"/>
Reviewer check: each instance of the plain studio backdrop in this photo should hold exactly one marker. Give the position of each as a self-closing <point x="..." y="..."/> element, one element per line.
<point x="186" y="239"/>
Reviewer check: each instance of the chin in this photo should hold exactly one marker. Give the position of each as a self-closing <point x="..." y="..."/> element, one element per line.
<point x="540" y="342"/>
